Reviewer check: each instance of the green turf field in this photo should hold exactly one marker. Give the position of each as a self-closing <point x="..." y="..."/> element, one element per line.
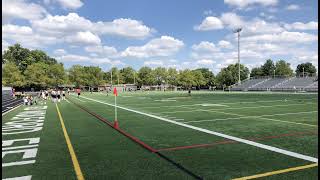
<point x="208" y="135"/>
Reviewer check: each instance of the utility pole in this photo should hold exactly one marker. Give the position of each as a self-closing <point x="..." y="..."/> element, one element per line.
<point x="238" y="31"/>
<point x="302" y="71"/>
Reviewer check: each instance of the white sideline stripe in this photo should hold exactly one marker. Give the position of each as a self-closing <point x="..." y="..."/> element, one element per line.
<point x="67" y="100"/>
<point x="12" y="109"/>
<point x="267" y="115"/>
<point x="250" y="107"/>
<point x="252" y="143"/>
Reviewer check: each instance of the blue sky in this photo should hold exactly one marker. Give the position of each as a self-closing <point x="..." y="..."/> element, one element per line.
<point x="170" y="33"/>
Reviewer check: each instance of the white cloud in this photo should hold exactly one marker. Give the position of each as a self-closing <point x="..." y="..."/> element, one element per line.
<point x="5" y="45"/>
<point x="70" y="4"/>
<point x="225" y="44"/>
<point x="209" y="23"/>
<point x="312" y="25"/>
<point x="124" y="27"/>
<point x="153" y="63"/>
<point x="21" y="9"/>
<point x="26" y="36"/>
<point x="283" y="37"/>
<point x="205" y="46"/>
<point x="205" y="62"/>
<point x="59" y="52"/>
<point x="71" y="23"/>
<point x="74" y="58"/>
<point x="232" y="20"/>
<point x="102" y="50"/>
<point x="293" y="7"/>
<point x="245" y="3"/>
<point x="84" y="38"/>
<point x="62" y="25"/>
<point x="163" y="46"/>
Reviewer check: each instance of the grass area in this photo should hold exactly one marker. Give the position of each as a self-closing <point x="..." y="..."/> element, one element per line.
<point x="281" y="120"/>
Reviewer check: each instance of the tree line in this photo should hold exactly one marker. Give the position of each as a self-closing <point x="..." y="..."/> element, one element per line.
<point x="26" y="68"/>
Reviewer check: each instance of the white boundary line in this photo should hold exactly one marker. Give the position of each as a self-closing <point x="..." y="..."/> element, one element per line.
<point x="12" y="109"/>
<point x="250" y="107"/>
<point x="247" y="102"/>
<point x="266" y="115"/>
<point x="252" y="143"/>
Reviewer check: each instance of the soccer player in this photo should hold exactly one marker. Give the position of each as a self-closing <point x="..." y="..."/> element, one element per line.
<point x="63" y="95"/>
<point x="78" y="91"/>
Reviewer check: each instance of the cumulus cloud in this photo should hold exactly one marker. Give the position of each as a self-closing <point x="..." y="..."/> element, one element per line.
<point x="209" y="23"/>
<point x="293" y="7"/>
<point x="225" y="44"/>
<point x="245" y="3"/>
<point x="153" y="63"/>
<point x="102" y="50"/>
<point x="26" y="36"/>
<point x="71" y="23"/>
<point x="74" y="58"/>
<point x="205" y="62"/>
<point x="124" y="27"/>
<point x="21" y="9"/>
<point x="163" y="46"/>
<point x="5" y="45"/>
<point x="59" y="52"/>
<point x="84" y="38"/>
<point x="283" y="37"/>
<point x="312" y="25"/>
<point x="70" y="4"/>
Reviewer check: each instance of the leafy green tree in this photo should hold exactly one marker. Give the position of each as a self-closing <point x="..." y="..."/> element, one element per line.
<point x="172" y="77"/>
<point x="160" y="75"/>
<point x="18" y="55"/>
<point x="229" y="75"/>
<point x="256" y="72"/>
<point x="93" y="76"/>
<point x="268" y="67"/>
<point x="77" y="75"/>
<point x="283" y="69"/>
<point x="23" y="57"/>
<point x="56" y="75"/>
<point x="308" y="67"/>
<point x="208" y="76"/>
<point x="11" y="75"/>
<point x="199" y="80"/>
<point x="186" y="79"/>
<point x="145" y="76"/>
<point x="128" y="74"/>
<point x="36" y="75"/>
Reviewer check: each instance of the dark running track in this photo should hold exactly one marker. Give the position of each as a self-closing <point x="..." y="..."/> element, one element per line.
<point x="8" y="102"/>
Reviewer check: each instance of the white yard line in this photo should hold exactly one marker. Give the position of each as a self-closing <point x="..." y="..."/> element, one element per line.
<point x="250" y="107"/>
<point x="247" y="102"/>
<point x="67" y="100"/>
<point x="261" y="118"/>
<point x="267" y="115"/>
<point x="252" y="143"/>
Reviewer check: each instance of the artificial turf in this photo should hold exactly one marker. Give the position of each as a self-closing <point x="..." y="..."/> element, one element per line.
<point x="104" y="153"/>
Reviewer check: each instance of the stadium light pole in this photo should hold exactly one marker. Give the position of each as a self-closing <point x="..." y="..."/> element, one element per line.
<point x="274" y="73"/>
<point x="238" y="31"/>
<point x="111" y="76"/>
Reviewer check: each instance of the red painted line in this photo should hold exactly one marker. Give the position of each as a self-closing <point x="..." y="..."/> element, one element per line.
<point x="233" y="142"/>
<point x="118" y="129"/>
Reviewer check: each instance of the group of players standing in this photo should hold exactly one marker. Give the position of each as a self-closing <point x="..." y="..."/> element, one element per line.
<point x="53" y="94"/>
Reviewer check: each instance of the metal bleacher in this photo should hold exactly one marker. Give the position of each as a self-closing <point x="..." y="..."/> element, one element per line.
<point x="279" y="84"/>
<point x="9" y="102"/>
